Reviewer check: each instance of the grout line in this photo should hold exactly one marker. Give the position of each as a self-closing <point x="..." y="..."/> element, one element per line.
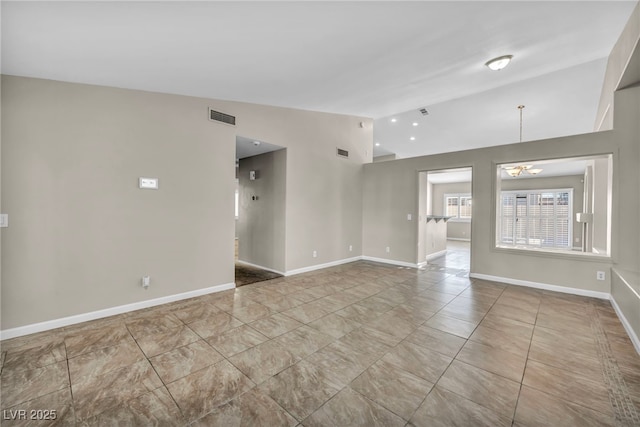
<point x="526" y="362"/>
<point x="623" y="407"/>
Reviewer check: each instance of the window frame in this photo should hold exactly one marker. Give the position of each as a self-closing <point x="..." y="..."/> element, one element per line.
<point x="459" y="197"/>
<point x="500" y="240"/>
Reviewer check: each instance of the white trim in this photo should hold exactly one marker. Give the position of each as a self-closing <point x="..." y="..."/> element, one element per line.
<point x="435" y="255"/>
<point x="99" y="314"/>
<point x="390" y="261"/>
<point x="606" y="110"/>
<point x="622" y="276"/>
<point x="259" y="266"/>
<point x="545" y="286"/>
<point x="458" y="239"/>
<point x="626" y="324"/>
<point x="321" y="266"/>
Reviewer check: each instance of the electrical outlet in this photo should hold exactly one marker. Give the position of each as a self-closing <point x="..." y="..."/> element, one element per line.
<point x="408" y="217"/>
<point x="146" y="281"/>
<point x="600" y="275"/>
<point x="315" y="254"/>
<point x="388" y="249"/>
<point x="350" y="248"/>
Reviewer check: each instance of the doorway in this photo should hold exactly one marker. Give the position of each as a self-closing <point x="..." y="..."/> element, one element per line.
<point x="445" y="213"/>
<point x="260" y="211"/>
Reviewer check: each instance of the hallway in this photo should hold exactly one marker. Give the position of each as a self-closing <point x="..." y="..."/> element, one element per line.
<point x="456" y="261"/>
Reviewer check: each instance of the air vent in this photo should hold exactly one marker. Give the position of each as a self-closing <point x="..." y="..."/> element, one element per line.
<point x="424" y="111"/>
<point x="342" y="153"/>
<point x="217" y="116"/>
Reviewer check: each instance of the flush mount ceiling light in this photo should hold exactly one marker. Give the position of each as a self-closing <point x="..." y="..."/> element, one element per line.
<point x="377" y="144"/>
<point x="497" y="64"/>
<point x="413" y="138"/>
<point x="415" y="123"/>
<point x="394" y="120"/>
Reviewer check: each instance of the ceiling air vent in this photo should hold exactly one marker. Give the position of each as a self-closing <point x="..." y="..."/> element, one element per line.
<point x="217" y="116"/>
<point x="342" y="153"/>
<point x="424" y="111"/>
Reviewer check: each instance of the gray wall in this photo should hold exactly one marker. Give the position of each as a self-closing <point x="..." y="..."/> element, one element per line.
<point x="549" y="183"/>
<point x="82" y="234"/>
<point x="600" y="202"/>
<point x="617" y="75"/>
<point x="390" y="191"/>
<point x="261" y="225"/>
<point x="424" y="209"/>
<point x="627" y="176"/>
<point x="455" y="229"/>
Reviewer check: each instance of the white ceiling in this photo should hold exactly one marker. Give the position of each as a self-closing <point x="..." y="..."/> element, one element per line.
<point x="371" y="59"/>
<point x="450" y="176"/>
<point x="246" y="147"/>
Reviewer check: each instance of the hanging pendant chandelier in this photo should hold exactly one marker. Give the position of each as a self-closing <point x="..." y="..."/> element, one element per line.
<point x="515" y="171"/>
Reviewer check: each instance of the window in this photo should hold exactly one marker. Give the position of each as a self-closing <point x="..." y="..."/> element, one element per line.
<point x="536" y="218"/>
<point x="560" y="206"/>
<point x="458" y="206"/>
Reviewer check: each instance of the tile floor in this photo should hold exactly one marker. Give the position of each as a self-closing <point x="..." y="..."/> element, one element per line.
<point x="361" y="344"/>
<point x="246" y="275"/>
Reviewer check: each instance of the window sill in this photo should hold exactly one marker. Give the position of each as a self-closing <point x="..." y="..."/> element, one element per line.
<point x="553" y="253"/>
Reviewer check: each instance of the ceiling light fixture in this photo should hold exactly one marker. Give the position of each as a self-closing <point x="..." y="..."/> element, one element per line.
<point x="514" y="171"/>
<point x="413" y="138"/>
<point x="377" y="144"/>
<point x="394" y="120"/>
<point x="497" y="64"/>
<point x="415" y="123"/>
<point x="520" y="107"/>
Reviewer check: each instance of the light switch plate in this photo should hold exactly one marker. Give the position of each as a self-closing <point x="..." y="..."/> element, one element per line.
<point x="148" y="183"/>
<point x="4" y="220"/>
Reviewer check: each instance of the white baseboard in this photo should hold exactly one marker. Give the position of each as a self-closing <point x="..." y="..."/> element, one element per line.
<point x="435" y="255"/>
<point x="627" y="326"/>
<point x="259" y="266"/>
<point x="99" y="314"/>
<point x="321" y="266"/>
<point x="458" y="239"/>
<point x="545" y="286"/>
<point x="389" y="261"/>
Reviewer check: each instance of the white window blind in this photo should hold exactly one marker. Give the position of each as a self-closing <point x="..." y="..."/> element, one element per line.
<point x="458" y="206"/>
<point x="537" y="218"/>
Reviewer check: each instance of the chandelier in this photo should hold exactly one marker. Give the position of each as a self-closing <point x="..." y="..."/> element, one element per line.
<point x="518" y="170"/>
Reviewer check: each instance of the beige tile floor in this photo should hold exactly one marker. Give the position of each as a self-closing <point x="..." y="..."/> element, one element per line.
<point x="362" y="344"/>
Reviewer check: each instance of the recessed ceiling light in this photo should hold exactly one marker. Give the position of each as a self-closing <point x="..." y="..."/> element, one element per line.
<point x="377" y="144"/>
<point x="256" y="143"/>
<point x="393" y="120"/>
<point x="499" y="63"/>
<point x="415" y="123"/>
<point x="413" y="138"/>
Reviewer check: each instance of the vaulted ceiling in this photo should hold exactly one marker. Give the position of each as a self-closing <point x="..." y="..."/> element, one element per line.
<point x="374" y="59"/>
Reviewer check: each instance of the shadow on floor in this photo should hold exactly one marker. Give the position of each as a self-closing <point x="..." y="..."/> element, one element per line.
<point x="246" y="275"/>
